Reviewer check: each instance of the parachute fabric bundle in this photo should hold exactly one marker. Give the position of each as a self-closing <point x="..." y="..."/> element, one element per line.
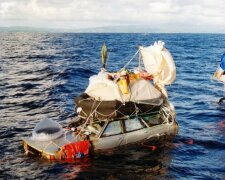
<point x="141" y="91"/>
<point x="159" y="62"/>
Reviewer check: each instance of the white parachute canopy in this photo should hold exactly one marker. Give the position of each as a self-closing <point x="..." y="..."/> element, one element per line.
<point x="141" y="91"/>
<point x="159" y="62"/>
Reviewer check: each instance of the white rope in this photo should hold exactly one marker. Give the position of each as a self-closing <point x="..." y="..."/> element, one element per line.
<point x="167" y="113"/>
<point x="114" y="112"/>
<point x="88" y="119"/>
<point x="51" y="142"/>
<point x="130" y="60"/>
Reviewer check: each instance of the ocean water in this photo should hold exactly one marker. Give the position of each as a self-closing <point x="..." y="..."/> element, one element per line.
<point x="41" y="73"/>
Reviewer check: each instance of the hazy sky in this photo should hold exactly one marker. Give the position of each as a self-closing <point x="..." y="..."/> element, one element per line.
<point x="162" y="15"/>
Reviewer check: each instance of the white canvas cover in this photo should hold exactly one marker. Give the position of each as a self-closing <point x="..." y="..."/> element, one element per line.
<point x="159" y="62"/>
<point x="141" y="91"/>
<point x="101" y="88"/>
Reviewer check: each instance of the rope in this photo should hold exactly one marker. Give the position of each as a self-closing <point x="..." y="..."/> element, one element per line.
<point x="51" y="142"/>
<point x="117" y="110"/>
<point x="88" y="118"/>
<point x="167" y="113"/>
<point x="101" y="113"/>
<point x="130" y="60"/>
<point x="114" y="112"/>
<point x="140" y="62"/>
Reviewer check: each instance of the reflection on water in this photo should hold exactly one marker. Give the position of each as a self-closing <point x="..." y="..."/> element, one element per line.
<point x="40" y="73"/>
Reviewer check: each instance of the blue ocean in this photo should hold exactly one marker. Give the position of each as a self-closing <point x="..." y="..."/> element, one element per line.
<point x="41" y="73"/>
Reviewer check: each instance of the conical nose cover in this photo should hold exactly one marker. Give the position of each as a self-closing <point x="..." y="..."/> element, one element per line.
<point x="47" y="130"/>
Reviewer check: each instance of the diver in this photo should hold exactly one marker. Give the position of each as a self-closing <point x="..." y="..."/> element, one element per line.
<point x="221" y="73"/>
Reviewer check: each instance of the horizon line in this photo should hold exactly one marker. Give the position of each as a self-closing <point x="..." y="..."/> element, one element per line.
<point x="104" y="29"/>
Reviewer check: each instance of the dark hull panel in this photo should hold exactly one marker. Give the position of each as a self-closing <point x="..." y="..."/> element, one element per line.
<point x="109" y="109"/>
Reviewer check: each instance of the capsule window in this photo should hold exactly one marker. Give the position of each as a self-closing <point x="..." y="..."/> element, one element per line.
<point x="113" y="128"/>
<point x="154" y="120"/>
<point x="133" y="124"/>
